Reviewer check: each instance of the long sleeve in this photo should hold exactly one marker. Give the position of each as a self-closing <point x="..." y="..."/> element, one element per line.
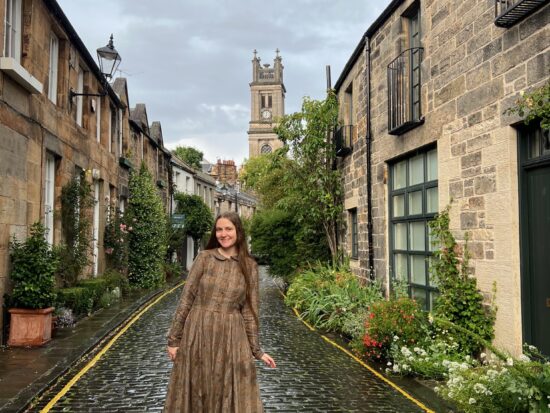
<point x="250" y="323"/>
<point x="186" y="301"/>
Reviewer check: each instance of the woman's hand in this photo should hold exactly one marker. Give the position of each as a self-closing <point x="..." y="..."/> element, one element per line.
<point x="172" y="351"/>
<point x="266" y="358"/>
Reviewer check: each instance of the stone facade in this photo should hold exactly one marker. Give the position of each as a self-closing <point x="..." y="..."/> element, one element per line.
<point x="225" y="172"/>
<point x="471" y="72"/>
<point x="267" y="92"/>
<point x="46" y="134"/>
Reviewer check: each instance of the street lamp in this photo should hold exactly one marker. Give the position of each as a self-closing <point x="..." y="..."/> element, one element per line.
<point x="109" y="60"/>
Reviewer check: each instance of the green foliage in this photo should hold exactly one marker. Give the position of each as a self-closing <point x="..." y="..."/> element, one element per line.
<point x="515" y="385"/>
<point x="332" y="298"/>
<point x="189" y="155"/>
<point x="400" y="320"/>
<point x="198" y="217"/>
<point x="33" y="267"/>
<point x="116" y="279"/>
<point x="173" y="270"/>
<point x="76" y="202"/>
<point x="534" y="105"/>
<point x="115" y="240"/>
<point x="147" y="241"/>
<point x="460" y="301"/>
<point x="314" y="184"/>
<point x="78" y="299"/>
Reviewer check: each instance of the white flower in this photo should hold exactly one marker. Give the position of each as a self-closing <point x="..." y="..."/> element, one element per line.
<point x="483" y="355"/>
<point x="510" y="361"/>
<point x="430" y="318"/>
<point x="405" y="351"/>
<point x="395" y="338"/>
<point x="480" y="388"/>
<point x="396" y="368"/>
<point x="472" y="400"/>
<point x="523" y="357"/>
<point x="389" y="363"/>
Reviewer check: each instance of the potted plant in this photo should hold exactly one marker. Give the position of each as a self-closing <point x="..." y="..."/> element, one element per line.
<point x="30" y="303"/>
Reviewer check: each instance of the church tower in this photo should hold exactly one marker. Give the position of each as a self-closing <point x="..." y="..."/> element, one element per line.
<point x="267" y="92"/>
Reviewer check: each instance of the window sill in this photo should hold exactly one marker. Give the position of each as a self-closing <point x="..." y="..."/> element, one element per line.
<point x="19" y="74"/>
<point x="406" y="126"/>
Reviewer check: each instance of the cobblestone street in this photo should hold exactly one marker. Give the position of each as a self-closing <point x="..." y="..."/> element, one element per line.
<point x="311" y="375"/>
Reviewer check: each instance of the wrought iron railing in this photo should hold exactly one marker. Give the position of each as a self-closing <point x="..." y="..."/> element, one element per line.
<point x="404" y="91"/>
<point x="343" y="139"/>
<point x="509" y="12"/>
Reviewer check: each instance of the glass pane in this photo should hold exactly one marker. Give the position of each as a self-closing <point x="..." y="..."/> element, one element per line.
<point x="415" y="203"/>
<point x="416" y="170"/>
<point x="432" y="242"/>
<point x="534" y="144"/>
<point x="399" y="205"/>
<point x="432" y="165"/>
<point x="400" y="175"/>
<point x="545" y="141"/>
<point x="432" y="200"/>
<point x="419" y="294"/>
<point x="417" y="236"/>
<point x="418" y="269"/>
<point x="400" y="236"/>
<point x="401" y="267"/>
<point x="433" y="298"/>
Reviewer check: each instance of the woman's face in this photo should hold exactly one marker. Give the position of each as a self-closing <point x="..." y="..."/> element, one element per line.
<point x="226" y="233"/>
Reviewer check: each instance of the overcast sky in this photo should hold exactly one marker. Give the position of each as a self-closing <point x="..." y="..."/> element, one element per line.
<point x="189" y="61"/>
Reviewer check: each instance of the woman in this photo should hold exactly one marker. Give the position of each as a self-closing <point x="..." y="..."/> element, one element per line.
<point x="214" y="334"/>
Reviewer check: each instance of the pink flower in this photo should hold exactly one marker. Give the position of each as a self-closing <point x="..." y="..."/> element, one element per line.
<point x="108" y="251"/>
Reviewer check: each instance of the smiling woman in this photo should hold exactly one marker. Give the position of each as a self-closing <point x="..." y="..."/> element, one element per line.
<point x="213" y="339"/>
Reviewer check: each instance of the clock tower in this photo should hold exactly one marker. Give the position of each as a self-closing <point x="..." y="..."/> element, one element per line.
<point x="267" y="92"/>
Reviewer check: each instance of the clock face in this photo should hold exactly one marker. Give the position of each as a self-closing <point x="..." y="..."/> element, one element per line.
<point x="266" y="114"/>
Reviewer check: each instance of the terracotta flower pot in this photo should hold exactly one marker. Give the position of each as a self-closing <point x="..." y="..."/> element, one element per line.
<point x="30" y="327"/>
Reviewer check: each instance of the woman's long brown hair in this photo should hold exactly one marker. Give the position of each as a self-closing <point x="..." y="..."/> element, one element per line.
<point x="245" y="260"/>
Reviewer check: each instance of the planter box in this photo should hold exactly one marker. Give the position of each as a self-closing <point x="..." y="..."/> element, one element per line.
<point x="30" y="327"/>
<point x="161" y="183"/>
<point x="125" y="162"/>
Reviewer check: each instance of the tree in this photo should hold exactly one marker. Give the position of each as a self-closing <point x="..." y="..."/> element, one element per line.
<point x="315" y="185"/>
<point x="189" y="155"/>
<point x="146" y="222"/>
<point x="198" y="217"/>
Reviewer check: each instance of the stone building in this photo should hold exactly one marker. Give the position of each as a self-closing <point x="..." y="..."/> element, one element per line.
<point x="48" y="135"/>
<point x="225" y="171"/>
<point x="267" y="93"/>
<point x="422" y="107"/>
<point x="231" y="198"/>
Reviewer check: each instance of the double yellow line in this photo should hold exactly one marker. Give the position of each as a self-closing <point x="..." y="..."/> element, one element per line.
<point x="362" y="363"/>
<point x="101" y="353"/>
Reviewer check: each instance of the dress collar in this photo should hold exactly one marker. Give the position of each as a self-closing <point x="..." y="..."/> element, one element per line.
<point x="221" y="257"/>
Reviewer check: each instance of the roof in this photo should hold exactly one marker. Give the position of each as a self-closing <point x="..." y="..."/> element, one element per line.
<point x="204" y="177"/>
<point x="179" y="163"/>
<point x="121" y="89"/>
<point x="156" y="133"/>
<point x="75" y="39"/>
<point x="368" y="34"/>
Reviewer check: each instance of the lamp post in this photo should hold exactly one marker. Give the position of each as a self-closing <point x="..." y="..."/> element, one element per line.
<point x="109" y="60"/>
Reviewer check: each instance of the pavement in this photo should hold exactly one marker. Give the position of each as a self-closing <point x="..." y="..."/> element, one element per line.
<point x="26" y="372"/>
<point x="312" y="375"/>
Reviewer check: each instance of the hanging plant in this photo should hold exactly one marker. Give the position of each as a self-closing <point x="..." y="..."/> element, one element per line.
<point x="533" y="105"/>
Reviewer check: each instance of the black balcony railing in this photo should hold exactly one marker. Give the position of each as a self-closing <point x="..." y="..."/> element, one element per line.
<point x="343" y="140"/>
<point x="509" y="12"/>
<point x="404" y="91"/>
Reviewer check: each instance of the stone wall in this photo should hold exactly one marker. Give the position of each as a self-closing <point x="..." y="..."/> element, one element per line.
<point x="472" y="71"/>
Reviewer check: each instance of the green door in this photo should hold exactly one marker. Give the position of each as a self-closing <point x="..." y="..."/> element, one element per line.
<point x="535" y="242"/>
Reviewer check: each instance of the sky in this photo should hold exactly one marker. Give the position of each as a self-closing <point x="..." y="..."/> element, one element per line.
<point x="189" y="61"/>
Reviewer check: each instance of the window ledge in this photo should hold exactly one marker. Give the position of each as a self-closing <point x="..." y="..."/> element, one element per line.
<point x="13" y="69"/>
<point x="406" y="126"/>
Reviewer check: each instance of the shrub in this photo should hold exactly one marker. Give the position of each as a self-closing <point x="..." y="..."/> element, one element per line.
<point x="147" y="240"/>
<point x="401" y="320"/>
<point x="115" y="279"/>
<point x="79" y="299"/>
<point x="198" y="217"/>
<point x="460" y="301"/>
<point x="115" y="241"/>
<point x="97" y="287"/>
<point x="173" y="270"/>
<point x="33" y="267"/>
<point x="332" y="298"/>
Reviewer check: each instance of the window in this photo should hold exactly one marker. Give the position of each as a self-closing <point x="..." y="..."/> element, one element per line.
<point x="413" y="202"/>
<point x="79" y="101"/>
<point x="354" y="234"/>
<point x="404" y="80"/>
<point x="349" y="118"/>
<point x="187" y="184"/>
<point x="119" y="130"/>
<point x="54" y="59"/>
<point x="113" y="130"/>
<point x="267" y="101"/>
<point x="12" y="30"/>
<point x="49" y="196"/>
<point x="95" y="228"/>
<point x="266" y="149"/>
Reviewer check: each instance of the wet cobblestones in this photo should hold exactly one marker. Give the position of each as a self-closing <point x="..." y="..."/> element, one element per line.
<point x="311" y="375"/>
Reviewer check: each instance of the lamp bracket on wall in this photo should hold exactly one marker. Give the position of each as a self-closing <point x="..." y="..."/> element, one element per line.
<point x="72" y="94"/>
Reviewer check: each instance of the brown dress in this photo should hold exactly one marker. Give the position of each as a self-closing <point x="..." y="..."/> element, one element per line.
<point x="217" y="336"/>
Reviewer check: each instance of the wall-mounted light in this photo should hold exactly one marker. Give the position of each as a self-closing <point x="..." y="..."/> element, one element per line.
<point x="109" y="60"/>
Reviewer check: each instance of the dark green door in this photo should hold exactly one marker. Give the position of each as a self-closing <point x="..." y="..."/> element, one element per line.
<point x="535" y="245"/>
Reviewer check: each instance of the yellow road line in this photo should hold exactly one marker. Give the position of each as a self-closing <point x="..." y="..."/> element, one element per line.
<point x="362" y="363"/>
<point x="98" y="356"/>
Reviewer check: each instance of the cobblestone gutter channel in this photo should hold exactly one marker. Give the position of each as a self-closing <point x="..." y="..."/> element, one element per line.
<point x="311" y="376"/>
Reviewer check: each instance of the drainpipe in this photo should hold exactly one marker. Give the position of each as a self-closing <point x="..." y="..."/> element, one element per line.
<point x="368" y="139"/>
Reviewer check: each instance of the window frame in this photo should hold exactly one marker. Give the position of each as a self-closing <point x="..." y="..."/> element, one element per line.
<point x="13" y="25"/>
<point x="79" y="116"/>
<point x="354" y="226"/>
<point x="53" y="69"/>
<point x="430" y="289"/>
<point x="49" y="197"/>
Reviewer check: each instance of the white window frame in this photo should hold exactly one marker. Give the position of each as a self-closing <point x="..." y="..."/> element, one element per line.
<point x="12" y="29"/>
<point x="110" y="146"/>
<point x="98" y="119"/>
<point x="49" y="196"/>
<point x="95" y="229"/>
<point x="54" y="62"/>
<point x="79" y="99"/>
<point x="119" y="119"/>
